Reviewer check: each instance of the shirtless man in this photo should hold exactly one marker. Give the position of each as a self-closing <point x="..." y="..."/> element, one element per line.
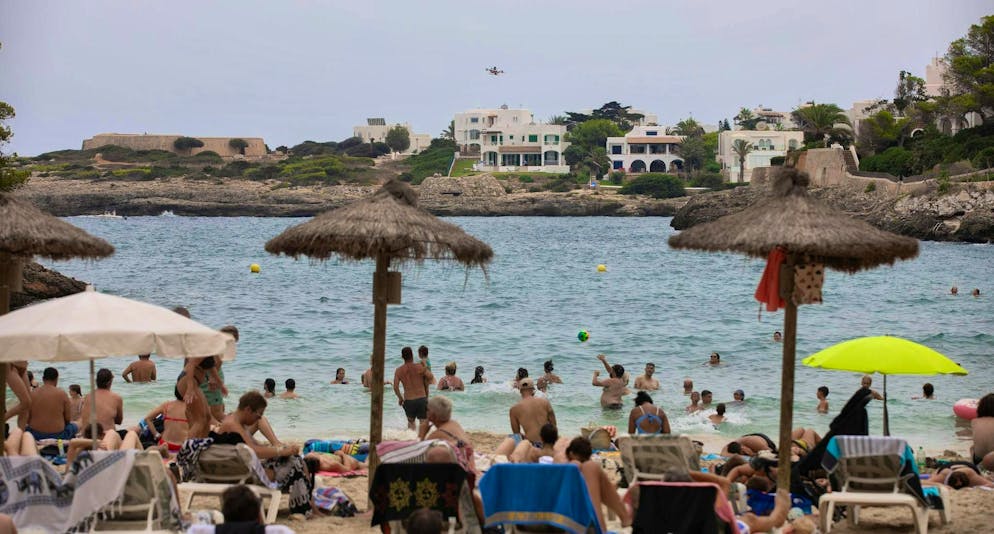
<point x="688" y="386"/>
<point x="646" y="382"/>
<point x="51" y="411"/>
<point x="198" y="414"/>
<point x="706" y="398"/>
<point x="291" y="389"/>
<point x="141" y="371"/>
<point x="822" y="399"/>
<point x="983" y="432"/>
<point x="695" y="402"/>
<point x="528" y="417"/>
<point x="415" y="378"/>
<point x="110" y="406"/>
<point x="550" y="377"/>
<point x="614" y="387"/>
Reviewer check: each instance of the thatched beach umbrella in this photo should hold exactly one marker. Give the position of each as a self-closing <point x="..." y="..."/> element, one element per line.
<point x="390" y="228"/>
<point x="807" y="231"/>
<point x="26" y="231"/>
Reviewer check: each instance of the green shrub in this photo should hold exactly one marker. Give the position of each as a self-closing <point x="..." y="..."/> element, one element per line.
<point x="870" y="187"/>
<point x="617" y="177"/>
<point x="185" y="144"/>
<point x="562" y="184"/>
<point x="234" y="169"/>
<point x="655" y="185"/>
<point x="525" y="179"/>
<point x="777" y="161"/>
<point x="406" y="177"/>
<point x="239" y="144"/>
<point x="895" y="160"/>
<point x="712" y="180"/>
<point x="436" y="158"/>
<point x="984" y="159"/>
<point x="207" y="156"/>
<point x="943" y="184"/>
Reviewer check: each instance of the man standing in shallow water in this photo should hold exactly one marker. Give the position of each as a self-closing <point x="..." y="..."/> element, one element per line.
<point x="646" y="382"/>
<point x="614" y="387"/>
<point x="528" y="417"/>
<point x="415" y="379"/>
<point x="140" y="371"/>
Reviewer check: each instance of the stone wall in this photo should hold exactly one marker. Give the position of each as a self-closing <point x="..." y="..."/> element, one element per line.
<point x="827" y="166"/>
<point x="256" y="146"/>
<point x="477" y="186"/>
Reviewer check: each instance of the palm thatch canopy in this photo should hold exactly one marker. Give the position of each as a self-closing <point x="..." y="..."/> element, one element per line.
<point x="802" y="225"/>
<point x="388" y="222"/>
<point x="26" y="231"/>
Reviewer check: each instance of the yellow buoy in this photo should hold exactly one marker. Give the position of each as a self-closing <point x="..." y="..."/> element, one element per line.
<point x="602" y="268"/>
<point x="254" y="268"/>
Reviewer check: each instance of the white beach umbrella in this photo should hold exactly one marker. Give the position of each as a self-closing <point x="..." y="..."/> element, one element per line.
<point x="91" y="325"/>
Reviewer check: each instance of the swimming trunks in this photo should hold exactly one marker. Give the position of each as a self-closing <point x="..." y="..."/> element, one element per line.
<point x="68" y="432"/>
<point x="651" y="417"/>
<point x="615" y="406"/>
<point x="517" y="439"/>
<point x="416" y="408"/>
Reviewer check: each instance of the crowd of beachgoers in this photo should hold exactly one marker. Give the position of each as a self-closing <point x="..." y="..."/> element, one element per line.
<point x="60" y="425"/>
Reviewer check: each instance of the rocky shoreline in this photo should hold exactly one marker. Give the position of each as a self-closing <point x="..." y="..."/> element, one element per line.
<point x="231" y="198"/>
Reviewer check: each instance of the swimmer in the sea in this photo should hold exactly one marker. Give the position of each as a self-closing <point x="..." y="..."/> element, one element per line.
<point x="614" y="386"/>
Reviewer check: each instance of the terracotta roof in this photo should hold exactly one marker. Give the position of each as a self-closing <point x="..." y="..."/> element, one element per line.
<point x="654" y="139"/>
<point x="520" y="149"/>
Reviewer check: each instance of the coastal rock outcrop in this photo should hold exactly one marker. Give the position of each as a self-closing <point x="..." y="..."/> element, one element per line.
<point x="964" y="215"/>
<point x="42" y="284"/>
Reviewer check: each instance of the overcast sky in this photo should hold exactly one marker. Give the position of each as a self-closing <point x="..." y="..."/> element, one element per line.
<point x="294" y="70"/>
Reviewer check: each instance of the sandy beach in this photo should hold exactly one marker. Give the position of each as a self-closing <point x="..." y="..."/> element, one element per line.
<point x="970" y="507"/>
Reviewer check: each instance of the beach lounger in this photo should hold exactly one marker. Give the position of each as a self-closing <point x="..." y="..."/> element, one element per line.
<point x="876" y="471"/>
<point x="542" y="495"/>
<point x="222" y="466"/>
<point x="405" y="461"/>
<point x="147" y="503"/>
<point x="681" y="507"/>
<point x="647" y="457"/>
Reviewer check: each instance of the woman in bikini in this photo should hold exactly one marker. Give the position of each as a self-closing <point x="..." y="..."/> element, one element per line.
<point x="647" y="418"/>
<point x="175" y="428"/>
<point x="447" y="429"/>
<point x="17" y="379"/>
<point x="198" y="415"/>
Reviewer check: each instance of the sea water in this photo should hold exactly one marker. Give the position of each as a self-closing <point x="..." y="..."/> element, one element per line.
<point x="302" y="319"/>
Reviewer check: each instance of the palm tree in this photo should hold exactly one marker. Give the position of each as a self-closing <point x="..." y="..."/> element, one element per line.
<point x="560" y="120"/>
<point x="688" y="127"/>
<point x="450" y="132"/>
<point x="741" y="148"/>
<point x="823" y="122"/>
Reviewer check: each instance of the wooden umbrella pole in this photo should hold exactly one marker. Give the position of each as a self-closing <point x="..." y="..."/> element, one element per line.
<point x="787" y="374"/>
<point x="93" y="407"/>
<point x="379" y="350"/>
<point x="5" y="283"/>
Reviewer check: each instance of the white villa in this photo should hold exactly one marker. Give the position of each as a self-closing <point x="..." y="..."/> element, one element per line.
<point x="376" y="130"/>
<point x="770" y="119"/>
<point x="510" y="140"/>
<point x="765" y="146"/>
<point x="645" y="148"/>
<point x="935" y="85"/>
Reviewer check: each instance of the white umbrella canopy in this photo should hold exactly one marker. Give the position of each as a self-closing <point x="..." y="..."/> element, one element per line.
<point x="92" y="325"/>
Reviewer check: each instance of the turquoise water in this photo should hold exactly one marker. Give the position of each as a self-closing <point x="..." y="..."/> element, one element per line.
<point x="302" y="320"/>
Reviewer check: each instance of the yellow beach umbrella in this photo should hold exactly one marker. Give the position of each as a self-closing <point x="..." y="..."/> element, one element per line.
<point x="887" y="355"/>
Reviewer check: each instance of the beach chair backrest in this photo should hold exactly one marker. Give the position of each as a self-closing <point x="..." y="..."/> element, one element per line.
<point x="878" y="473"/>
<point x="648" y="457"/>
<point x="682" y="507"/>
<point x="229" y="464"/>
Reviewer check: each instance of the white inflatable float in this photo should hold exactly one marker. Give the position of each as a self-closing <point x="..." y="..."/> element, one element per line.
<point x="965" y="408"/>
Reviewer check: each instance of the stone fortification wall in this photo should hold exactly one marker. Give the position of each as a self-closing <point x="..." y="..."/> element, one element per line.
<point x="827" y="166"/>
<point x="256" y="146"/>
<point x="482" y="185"/>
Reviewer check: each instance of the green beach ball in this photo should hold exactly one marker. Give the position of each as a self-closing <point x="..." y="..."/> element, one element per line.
<point x="583" y="335"/>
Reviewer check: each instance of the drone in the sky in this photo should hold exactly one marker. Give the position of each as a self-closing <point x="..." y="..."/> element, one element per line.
<point x="494" y="71"/>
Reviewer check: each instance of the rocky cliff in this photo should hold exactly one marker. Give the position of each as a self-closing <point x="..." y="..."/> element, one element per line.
<point x="964" y="215"/>
<point x="225" y="197"/>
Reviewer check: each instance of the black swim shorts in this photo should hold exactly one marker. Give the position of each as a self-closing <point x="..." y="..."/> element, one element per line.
<point x="416" y="408"/>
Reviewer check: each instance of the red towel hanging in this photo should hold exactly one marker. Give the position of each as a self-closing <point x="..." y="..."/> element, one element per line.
<point x="768" y="290"/>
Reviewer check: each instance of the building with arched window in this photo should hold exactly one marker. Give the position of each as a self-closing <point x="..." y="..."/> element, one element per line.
<point x="766" y="145"/>
<point x="645" y="149"/>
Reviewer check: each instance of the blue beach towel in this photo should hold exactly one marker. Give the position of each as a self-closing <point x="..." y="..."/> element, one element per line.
<point x="358" y="449"/>
<point x="529" y="494"/>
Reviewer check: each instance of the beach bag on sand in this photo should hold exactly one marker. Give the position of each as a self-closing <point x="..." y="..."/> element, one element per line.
<point x="600" y="438"/>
